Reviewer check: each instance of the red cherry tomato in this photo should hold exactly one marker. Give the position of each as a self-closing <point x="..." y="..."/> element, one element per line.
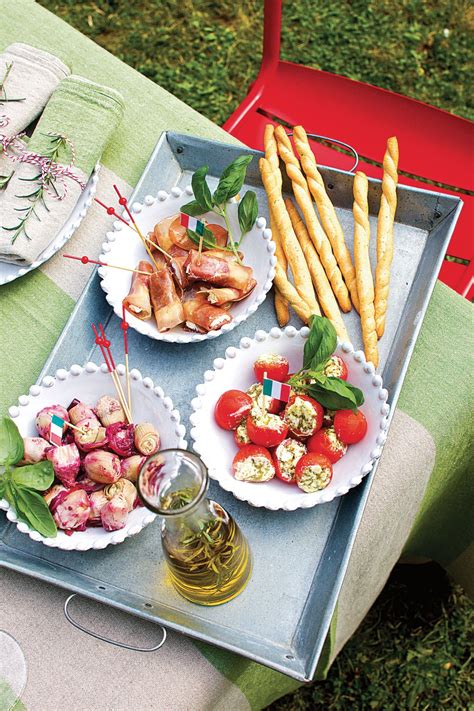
<point x="350" y="426"/>
<point x="275" y="366"/>
<point x="303" y="415"/>
<point x="313" y="472"/>
<point x="253" y="463"/>
<point x="266" y="429"/>
<point x="327" y="442"/>
<point x="272" y="405"/>
<point x="286" y="457"/>
<point x="336" y="368"/>
<point x="241" y="436"/>
<point x="231" y="408"/>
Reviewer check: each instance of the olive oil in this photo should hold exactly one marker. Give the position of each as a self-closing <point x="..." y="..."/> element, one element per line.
<point x="208" y="557"/>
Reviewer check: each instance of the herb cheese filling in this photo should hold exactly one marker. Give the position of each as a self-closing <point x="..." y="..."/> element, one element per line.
<point x="254" y="469"/>
<point x="314" y="478"/>
<point x="301" y="416"/>
<point x="288" y="453"/>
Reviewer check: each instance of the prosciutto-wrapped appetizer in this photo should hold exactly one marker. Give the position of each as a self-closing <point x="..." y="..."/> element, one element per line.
<point x="219" y="296"/>
<point x="167" y="306"/>
<point x="217" y="271"/>
<point x="137" y="302"/>
<point x="177" y="265"/>
<point x="161" y="234"/>
<point x="224" y="254"/>
<point x="179" y="235"/>
<point x="202" y="316"/>
<point x="220" y="233"/>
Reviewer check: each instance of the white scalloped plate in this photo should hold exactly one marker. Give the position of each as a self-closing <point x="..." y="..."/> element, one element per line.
<point x="217" y="447"/>
<point x="10" y="272"/>
<point x="88" y="383"/>
<point x="124" y="248"/>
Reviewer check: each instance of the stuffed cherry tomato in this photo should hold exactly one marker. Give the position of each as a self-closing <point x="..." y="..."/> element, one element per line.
<point x="350" y="426"/>
<point x="303" y="415"/>
<point x="286" y="456"/>
<point x="266" y="429"/>
<point x="313" y="472"/>
<point x="253" y="463"/>
<point x="275" y="366"/>
<point x="231" y="408"/>
<point x="328" y="443"/>
<point x="272" y="405"/>
<point x="336" y="368"/>
<point x="241" y="436"/>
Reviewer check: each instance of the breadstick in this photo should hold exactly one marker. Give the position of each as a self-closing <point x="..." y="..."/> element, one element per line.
<point x="326" y="210"/>
<point x="293" y="251"/>
<point x="365" y="283"/>
<point x="281" y="304"/>
<point x="323" y="288"/>
<point x="303" y="198"/>
<point x="388" y="206"/>
<point x="289" y="292"/>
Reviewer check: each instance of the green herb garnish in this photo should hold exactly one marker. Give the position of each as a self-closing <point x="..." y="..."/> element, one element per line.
<point x="230" y="184"/>
<point x="332" y="393"/>
<point x="20" y="485"/>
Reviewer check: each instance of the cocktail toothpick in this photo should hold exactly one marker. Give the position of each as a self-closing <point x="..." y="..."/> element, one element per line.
<point x="88" y="260"/>
<point x="104" y="346"/>
<point x="124" y="326"/>
<point x="111" y="211"/>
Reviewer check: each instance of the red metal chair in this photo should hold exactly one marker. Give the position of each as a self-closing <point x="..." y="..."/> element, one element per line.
<point x="435" y="145"/>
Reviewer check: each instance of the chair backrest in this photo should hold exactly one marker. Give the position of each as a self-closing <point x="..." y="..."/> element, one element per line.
<point x="271" y="33"/>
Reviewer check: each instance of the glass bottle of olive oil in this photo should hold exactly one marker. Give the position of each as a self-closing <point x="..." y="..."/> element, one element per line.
<point x="208" y="557"/>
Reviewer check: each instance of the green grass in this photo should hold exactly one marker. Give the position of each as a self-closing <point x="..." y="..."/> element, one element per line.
<point x="412" y="651"/>
<point x="207" y="52"/>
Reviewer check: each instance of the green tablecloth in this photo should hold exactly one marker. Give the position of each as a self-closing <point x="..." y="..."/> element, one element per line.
<point x="420" y="503"/>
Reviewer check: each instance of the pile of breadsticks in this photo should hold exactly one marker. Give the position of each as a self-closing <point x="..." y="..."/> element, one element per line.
<point x="313" y="246"/>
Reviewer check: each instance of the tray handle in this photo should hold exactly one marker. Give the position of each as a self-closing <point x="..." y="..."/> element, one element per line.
<point x="339" y="143"/>
<point x="123" y="645"/>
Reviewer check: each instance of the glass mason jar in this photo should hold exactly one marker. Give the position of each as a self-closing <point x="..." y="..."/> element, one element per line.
<point x="208" y="557"/>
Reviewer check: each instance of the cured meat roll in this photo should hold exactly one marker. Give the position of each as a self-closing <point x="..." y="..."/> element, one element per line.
<point x="137" y="302"/>
<point x="205" y="317"/>
<point x="217" y="271"/>
<point x="167" y="307"/>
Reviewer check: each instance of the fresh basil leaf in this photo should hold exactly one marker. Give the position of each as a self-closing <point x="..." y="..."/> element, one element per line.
<point x="231" y="180"/>
<point x="208" y="238"/>
<point x="320" y="344"/>
<point x="357" y="393"/>
<point x="201" y="189"/>
<point x="36" y="511"/>
<point x="192" y="208"/>
<point x="333" y="394"/>
<point x="3" y="486"/>
<point x="37" y="476"/>
<point x="11" y="442"/>
<point x="248" y="212"/>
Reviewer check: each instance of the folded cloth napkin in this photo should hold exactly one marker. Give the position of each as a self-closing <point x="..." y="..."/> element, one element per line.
<point x="29" y="74"/>
<point x="73" y="131"/>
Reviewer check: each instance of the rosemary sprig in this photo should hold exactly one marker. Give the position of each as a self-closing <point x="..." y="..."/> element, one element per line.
<point x="4" y="99"/>
<point x="36" y="197"/>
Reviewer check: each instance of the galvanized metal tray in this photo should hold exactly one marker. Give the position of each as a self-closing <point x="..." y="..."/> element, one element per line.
<point x="305" y="586"/>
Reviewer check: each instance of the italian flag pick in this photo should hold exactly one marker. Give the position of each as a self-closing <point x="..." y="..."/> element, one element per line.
<point x="273" y="388"/>
<point x="192" y="223"/>
<point x="56" y="430"/>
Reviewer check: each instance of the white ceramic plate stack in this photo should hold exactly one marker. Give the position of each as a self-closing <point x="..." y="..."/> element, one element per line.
<point x="217" y="447"/>
<point x="124" y="248"/>
<point x="150" y="404"/>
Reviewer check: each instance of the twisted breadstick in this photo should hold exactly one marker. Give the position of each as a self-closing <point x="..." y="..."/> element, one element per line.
<point x="323" y="288"/>
<point x="281" y="304"/>
<point x="288" y="292"/>
<point x="326" y="210"/>
<point x="303" y="198"/>
<point x="365" y="284"/>
<point x="293" y="251"/>
<point x="388" y="206"/>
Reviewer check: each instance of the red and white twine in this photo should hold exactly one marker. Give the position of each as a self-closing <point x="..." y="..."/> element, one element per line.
<point x="17" y="152"/>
